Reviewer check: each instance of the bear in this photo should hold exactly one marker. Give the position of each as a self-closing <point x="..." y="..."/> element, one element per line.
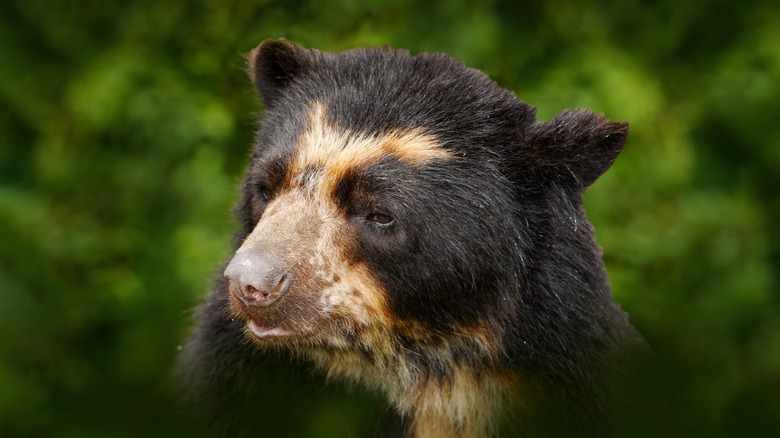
<point x="407" y="224"/>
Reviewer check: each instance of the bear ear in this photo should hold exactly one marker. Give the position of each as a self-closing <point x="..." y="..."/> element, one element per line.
<point x="578" y="143"/>
<point x="274" y="64"/>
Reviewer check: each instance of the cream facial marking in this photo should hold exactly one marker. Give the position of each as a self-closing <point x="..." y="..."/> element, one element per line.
<point x="324" y="154"/>
<point x="337" y="151"/>
<point x="309" y="237"/>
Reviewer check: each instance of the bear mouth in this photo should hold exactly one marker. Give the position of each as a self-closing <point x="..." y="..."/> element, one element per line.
<point x="268" y="333"/>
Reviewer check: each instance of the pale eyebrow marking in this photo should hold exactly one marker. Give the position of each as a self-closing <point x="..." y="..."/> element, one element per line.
<point x="337" y="151"/>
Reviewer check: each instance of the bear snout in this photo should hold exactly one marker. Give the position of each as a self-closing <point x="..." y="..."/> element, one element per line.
<point x="256" y="281"/>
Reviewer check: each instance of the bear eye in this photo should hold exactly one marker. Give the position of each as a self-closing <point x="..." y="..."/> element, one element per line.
<point x="260" y="198"/>
<point x="380" y="219"/>
<point x="264" y="192"/>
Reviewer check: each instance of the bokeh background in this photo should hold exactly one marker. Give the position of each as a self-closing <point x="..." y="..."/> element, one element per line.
<point x="125" y="126"/>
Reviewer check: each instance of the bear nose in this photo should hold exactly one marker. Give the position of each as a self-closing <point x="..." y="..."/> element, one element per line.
<point x="255" y="280"/>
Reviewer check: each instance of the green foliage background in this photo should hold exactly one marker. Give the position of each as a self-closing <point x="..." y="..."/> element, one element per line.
<point x="124" y="128"/>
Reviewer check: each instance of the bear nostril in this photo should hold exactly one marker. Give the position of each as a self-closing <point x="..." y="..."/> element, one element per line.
<point x="252" y="292"/>
<point x="283" y="284"/>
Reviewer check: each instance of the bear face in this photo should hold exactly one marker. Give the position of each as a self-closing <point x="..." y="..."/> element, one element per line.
<point x="348" y="215"/>
<point x="348" y="193"/>
<point x="408" y="224"/>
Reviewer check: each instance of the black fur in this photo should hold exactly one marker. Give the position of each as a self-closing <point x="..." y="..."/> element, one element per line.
<point x="496" y="234"/>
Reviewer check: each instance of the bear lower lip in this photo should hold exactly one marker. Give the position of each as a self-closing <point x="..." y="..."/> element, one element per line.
<point x="267" y="332"/>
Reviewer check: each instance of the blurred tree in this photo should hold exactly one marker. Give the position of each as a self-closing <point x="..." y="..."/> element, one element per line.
<point x="125" y="125"/>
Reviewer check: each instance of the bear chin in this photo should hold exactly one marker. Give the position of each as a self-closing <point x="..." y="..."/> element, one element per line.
<point x="266" y="333"/>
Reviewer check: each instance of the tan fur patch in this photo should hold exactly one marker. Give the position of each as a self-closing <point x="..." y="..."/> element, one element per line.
<point x="467" y="402"/>
<point x="329" y="296"/>
<point x="337" y="151"/>
<point x="466" y="405"/>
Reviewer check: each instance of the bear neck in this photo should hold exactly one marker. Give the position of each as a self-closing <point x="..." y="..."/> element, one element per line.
<point x="448" y="398"/>
<point x="468" y="404"/>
